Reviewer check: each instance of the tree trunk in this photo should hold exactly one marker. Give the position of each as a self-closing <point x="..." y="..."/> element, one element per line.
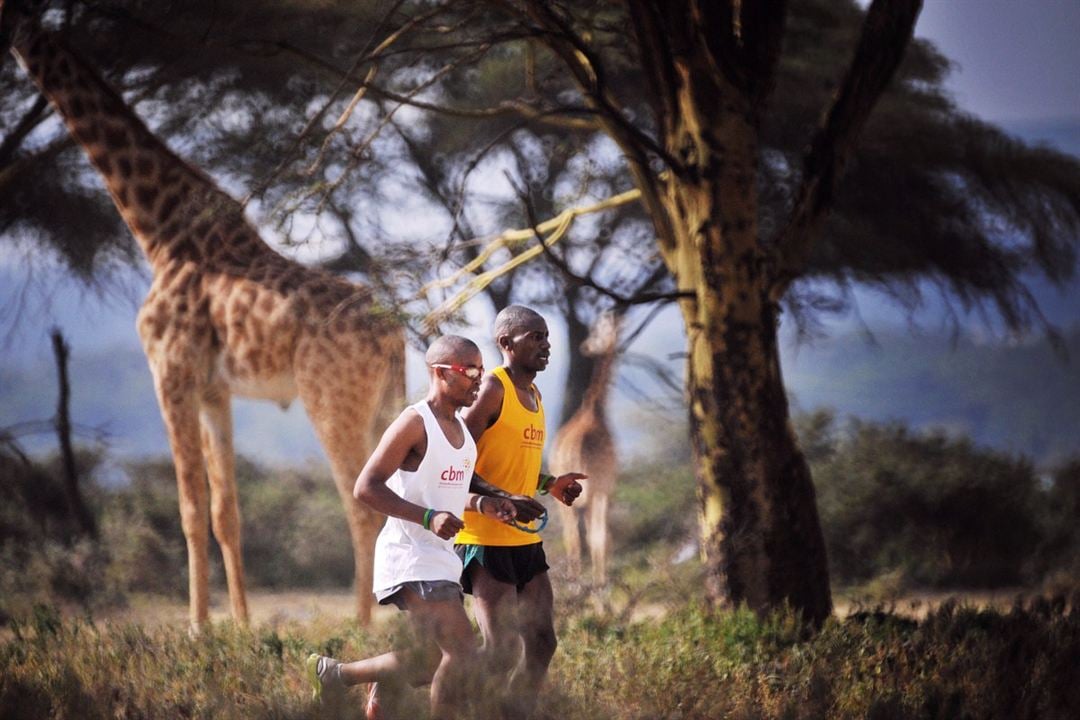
<point x="76" y="506"/>
<point x="761" y="539"/>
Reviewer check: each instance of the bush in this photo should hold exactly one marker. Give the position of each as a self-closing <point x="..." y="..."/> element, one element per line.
<point x="1062" y="546"/>
<point x="294" y="530"/>
<point x="935" y="509"/>
<point x="43" y="556"/>
<point x="294" y="533"/>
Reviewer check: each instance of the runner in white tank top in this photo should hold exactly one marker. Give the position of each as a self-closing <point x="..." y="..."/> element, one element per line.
<point x="419" y="476"/>
<point x="406" y="551"/>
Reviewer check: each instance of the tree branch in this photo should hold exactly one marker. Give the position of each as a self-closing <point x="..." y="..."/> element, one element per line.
<point x="654" y="56"/>
<point x="635" y="145"/>
<point x="575" y="118"/>
<point x="760" y="34"/>
<point x="30" y="120"/>
<point x="886" y="33"/>
<point x="637" y="298"/>
<point x="588" y="73"/>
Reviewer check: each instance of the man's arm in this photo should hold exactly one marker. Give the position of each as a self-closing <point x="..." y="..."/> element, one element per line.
<point x="405" y="436"/>
<point x="497" y="508"/>
<point x="480" y="486"/>
<point x="564" y="488"/>
<point x="528" y="509"/>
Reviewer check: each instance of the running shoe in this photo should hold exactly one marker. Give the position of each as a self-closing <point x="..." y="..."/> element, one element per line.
<point x="325" y="681"/>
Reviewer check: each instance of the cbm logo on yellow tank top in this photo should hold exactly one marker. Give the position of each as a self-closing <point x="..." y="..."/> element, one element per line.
<point x="532" y="437"/>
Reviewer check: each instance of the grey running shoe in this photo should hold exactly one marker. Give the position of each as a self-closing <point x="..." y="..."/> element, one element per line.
<point x="322" y="672"/>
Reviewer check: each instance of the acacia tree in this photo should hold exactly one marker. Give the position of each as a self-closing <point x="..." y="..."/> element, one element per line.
<point x="709" y="70"/>
<point x="739" y="209"/>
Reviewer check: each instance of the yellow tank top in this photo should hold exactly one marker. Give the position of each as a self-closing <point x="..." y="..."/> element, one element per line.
<point x="508" y="455"/>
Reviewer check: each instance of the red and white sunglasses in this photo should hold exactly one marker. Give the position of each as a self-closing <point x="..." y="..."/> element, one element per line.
<point x="468" y="371"/>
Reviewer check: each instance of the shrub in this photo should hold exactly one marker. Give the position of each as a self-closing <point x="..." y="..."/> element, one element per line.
<point x="936" y="509"/>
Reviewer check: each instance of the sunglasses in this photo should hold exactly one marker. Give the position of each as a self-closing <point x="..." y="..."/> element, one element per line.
<point x="468" y="371"/>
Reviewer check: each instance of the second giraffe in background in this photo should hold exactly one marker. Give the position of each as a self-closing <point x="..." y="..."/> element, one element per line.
<point x="584" y="443"/>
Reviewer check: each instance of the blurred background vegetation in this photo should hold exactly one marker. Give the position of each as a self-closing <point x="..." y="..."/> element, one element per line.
<point x="902" y="511"/>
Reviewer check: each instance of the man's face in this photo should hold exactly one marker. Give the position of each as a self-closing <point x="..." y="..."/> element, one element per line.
<point x="528" y="347"/>
<point x="460" y="388"/>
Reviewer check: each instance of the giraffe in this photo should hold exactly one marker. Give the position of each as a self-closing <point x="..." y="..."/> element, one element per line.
<point x="225" y="315"/>
<point x="584" y="444"/>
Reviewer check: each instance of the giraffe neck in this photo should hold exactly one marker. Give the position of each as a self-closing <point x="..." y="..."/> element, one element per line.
<point x="597" y="391"/>
<point x="169" y="206"/>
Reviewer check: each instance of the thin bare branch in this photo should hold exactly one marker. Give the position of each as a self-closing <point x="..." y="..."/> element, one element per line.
<point x="30" y="120"/>
<point x="588" y="73"/>
<point x="357" y="152"/>
<point x="575" y="118"/>
<point x="260" y="188"/>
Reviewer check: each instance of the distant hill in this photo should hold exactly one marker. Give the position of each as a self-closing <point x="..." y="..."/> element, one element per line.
<point x="1020" y="398"/>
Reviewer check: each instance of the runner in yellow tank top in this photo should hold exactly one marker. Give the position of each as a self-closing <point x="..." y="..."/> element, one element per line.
<point x="505" y="569"/>
<point x="509" y="454"/>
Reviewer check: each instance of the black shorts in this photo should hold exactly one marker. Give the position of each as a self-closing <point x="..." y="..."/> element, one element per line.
<point x="514" y="565"/>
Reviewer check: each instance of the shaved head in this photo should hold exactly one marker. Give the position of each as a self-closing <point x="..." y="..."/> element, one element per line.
<point x="514" y="318"/>
<point x="451" y="350"/>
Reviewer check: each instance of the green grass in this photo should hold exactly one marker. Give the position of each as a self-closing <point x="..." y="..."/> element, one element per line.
<point x="957" y="663"/>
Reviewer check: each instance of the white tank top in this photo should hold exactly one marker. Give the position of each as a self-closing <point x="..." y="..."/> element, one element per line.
<point x="405" y="551"/>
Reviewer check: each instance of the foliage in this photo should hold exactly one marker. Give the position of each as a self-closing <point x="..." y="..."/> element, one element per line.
<point x="931" y="509"/>
<point x="42" y="555"/>
<point x="959" y="662"/>
<point x="1062" y="544"/>
<point x="295" y="533"/>
<point x="653" y="503"/>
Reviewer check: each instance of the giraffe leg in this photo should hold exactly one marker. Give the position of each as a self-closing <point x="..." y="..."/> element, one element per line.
<point x="174" y="385"/>
<point x="596" y="527"/>
<point x="217" y="448"/>
<point x="571" y="538"/>
<point x="342" y="418"/>
<point x="364" y="527"/>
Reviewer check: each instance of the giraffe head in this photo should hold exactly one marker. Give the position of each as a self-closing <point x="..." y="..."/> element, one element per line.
<point x="603" y="336"/>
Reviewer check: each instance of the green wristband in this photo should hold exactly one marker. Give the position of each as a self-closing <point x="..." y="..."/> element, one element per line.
<point x="427" y="518"/>
<point x="545" y="480"/>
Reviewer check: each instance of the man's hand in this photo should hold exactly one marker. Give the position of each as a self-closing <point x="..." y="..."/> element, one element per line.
<point x="528" y="509"/>
<point x="566" y="487"/>
<point x="497" y="508"/>
<point x="445" y="524"/>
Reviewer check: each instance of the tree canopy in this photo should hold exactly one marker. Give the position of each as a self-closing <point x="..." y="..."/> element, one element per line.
<point x="930" y="193"/>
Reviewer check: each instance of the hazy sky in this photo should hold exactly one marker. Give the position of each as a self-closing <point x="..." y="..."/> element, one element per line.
<point x="1016" y="60"/>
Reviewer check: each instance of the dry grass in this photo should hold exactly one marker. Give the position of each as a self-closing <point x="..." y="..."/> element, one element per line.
<point x="957" y="661"/>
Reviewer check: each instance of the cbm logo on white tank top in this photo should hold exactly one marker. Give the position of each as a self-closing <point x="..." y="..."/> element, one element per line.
<point x="452" y="476"/>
